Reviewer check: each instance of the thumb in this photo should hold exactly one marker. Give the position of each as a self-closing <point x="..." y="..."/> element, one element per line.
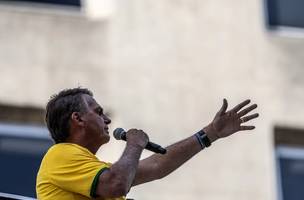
<point x="223" y="108"/>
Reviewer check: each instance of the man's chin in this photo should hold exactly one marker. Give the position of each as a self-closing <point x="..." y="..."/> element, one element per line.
<point x="108" y="139"/>
<point x="105" y="139"/>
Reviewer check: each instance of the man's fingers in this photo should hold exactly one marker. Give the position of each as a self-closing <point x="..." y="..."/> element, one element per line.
<point x="245" y="128"/>
<point x="249" y="117"/>
<point x="224" y="107"/>
<point x="247" y="110"/>
<point x="238" y="107"/>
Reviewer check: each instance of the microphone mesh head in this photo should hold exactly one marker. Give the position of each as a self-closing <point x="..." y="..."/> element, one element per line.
<point x="117" y="133"/>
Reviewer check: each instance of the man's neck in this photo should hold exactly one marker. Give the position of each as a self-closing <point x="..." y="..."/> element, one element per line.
<point x="80" y="142"/>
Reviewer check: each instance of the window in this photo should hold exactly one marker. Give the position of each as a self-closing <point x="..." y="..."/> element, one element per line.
<point x="290" y="162"/>
<point x="23" y="142"/>
<point x="21" y="150"/>
<point x="92" y="9"/>
<point x="54" y="2"/>
<point x="21" y="146"/>
<point x="289" y="154"/>
<point x="285" y="17"/>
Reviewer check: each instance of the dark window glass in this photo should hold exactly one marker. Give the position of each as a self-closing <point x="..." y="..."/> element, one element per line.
<point x="285" y="13"/>
<point x="55" y="2"/>
<point x="291" y="173"/>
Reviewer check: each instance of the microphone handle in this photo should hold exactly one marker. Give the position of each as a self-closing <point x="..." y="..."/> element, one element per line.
<point x="150" y="145"/>
<point x="155" y="148"/>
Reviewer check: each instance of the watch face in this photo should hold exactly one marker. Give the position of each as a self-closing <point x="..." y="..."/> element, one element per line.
<point x="205" y="138"/>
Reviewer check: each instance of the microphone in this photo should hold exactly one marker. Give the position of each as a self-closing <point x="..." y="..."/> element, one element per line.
<point x="120" y="134"/>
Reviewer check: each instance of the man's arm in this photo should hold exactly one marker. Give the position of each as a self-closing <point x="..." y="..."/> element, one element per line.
<point x="116" y="181"/>
<point x="158" y="166"/>
<point x="224" y="124"/>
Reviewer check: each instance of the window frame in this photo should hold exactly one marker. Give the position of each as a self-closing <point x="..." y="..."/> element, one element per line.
<point x="288" y="142"/>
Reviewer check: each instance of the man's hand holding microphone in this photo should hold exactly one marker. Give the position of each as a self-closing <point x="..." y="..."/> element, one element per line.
<point x="137" y="138"/>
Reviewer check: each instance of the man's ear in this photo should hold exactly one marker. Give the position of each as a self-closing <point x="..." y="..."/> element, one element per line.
<point x="76" y="118"/>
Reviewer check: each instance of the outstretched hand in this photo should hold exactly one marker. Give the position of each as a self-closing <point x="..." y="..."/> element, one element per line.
<point x="226" y="123"/>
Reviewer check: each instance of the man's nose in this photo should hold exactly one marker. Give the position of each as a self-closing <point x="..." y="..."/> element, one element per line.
<point x="107" y="120"/>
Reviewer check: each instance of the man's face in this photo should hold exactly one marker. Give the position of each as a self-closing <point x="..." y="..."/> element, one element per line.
<point x="95" y="122"/>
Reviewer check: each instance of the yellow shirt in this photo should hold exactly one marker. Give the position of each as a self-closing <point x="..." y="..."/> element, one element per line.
<point x="69" y="172"/>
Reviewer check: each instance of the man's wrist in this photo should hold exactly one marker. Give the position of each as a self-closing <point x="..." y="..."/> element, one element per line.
<point x="211" y="133"/>
<point x="135" y="145"/>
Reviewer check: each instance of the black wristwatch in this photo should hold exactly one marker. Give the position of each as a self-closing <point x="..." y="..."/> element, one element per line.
<point x="203" y="139"/>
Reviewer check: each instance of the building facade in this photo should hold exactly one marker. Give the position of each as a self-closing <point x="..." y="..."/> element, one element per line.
<point x="164" y="67"/>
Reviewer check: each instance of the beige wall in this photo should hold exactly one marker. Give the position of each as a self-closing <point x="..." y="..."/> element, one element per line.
<point x="164" y="66"/>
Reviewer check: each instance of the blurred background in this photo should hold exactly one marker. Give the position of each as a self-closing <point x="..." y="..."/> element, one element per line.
<point x="164" y="67"/>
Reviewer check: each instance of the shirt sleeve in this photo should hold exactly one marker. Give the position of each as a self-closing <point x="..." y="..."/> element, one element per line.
<point x="77" y="172"/>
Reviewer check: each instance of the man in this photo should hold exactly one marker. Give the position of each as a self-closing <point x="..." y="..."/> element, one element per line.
<point x="78" y="125"/>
